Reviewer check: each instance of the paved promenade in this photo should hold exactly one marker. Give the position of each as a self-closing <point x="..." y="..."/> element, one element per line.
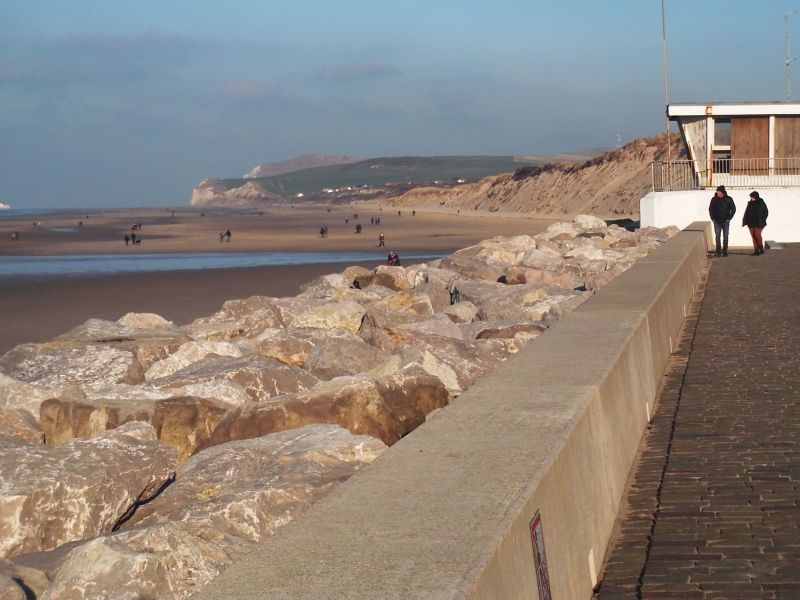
<point x="713" y="506"/>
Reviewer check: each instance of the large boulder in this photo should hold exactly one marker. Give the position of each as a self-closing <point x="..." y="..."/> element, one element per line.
<point x="189" y="353"/>
<point x="50" y="495"/>
<point x="147" y="336"/>
<point x="289" y="346"/>
<point x="472" y="263"/>
<point x="393" y="278"/>
<point x="54" y="366"/>
<point x="19" y="425"/>
<point x="16" y="394"/>
<point x="260" y="377"/>
<point x="332" y="314"/>
<point x="354" y="403"/>
<point x="182" y="422"/>
<point x="342" y="355"/>
<point x="223" y="502"/>
<point x="461" y="312"/>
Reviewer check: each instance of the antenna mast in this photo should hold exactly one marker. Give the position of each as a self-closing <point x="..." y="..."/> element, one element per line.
<point x="666" y="74"/>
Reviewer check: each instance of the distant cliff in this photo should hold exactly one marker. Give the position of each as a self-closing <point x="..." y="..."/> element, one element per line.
<point x="610" y="184"/>
<point x="213" y="192"/>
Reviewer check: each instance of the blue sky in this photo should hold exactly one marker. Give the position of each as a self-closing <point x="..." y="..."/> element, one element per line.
<point x="132" y="103"/>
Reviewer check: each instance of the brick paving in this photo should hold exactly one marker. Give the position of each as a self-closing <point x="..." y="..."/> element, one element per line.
<point x="712" y="508"/>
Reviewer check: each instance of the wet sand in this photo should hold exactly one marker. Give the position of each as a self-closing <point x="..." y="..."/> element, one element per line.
<point x="40" y="308"/>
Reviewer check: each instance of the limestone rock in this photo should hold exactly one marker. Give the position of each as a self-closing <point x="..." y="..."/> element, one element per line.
<point x="17" y="581"/>
<point x="50" y="495"/>
<point x="16" y="394"/>
<point x="461" y="312"/>
<point x="247" y="316"/>
<point x="20" y="425"/>
<point x="472" y="264"/>
<point x="354" y="403"/>
<point x="214" y="331"/>
<point x="182" y="422"/>
<point x="342" y="355"/>
<point x="260" y="377"/>
<point x="542" y="259"/>
<point x="506" y="250"/>
<point x="324" y="286"/>
<point x="399" y="308"/>
<point x="440" y="325"/>
<point x="412" y="394"/>
<point x="224" y="501"/>
<point x="289" y="346"/>
<point x="189" y="353"/>
<point x="144" y="321"/>
<point x="589" y="222"/>
<point x="342" y="314"/>
<point x="393" y="278"/>
<point x="56" y="365"/>
<point x="518" y="274"/>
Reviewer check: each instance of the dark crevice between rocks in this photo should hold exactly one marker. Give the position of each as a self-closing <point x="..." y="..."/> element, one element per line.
<point x="126" y="516"/>
<point x="29" y="593"/>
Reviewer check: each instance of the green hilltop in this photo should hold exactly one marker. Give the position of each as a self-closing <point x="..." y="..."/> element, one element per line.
<point x="377" y="172"/>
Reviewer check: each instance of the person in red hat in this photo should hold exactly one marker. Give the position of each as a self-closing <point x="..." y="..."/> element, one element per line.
<point x="755" y="218"/>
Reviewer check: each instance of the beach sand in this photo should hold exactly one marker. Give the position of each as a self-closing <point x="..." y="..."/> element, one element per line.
<point x="34" y="309"/>
<point x="268" y="230"/>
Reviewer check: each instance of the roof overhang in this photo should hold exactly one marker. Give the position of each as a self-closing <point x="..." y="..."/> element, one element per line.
<point x="742" y="109"/>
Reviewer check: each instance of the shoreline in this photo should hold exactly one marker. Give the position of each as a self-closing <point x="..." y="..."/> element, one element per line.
<point x="38" y="309"/>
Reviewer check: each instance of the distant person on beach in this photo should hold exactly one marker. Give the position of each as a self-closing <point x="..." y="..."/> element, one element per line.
<point x="228" y="234"/>
<point x="721" y="210"/>
<point x="393" y="259"/>
<point x="127" y="239"/>
<point x="381" y="241"/>
<point x="133" y="238"/>
<point x="15" y="236"/>
<point x="755" y="218"/>
<point x="221" y="236"/>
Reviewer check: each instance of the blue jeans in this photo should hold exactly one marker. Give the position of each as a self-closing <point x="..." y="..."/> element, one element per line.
<point x="723" y="228"/>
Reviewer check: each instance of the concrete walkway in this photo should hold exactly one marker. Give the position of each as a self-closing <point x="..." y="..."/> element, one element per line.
<point x="713" y="505"/>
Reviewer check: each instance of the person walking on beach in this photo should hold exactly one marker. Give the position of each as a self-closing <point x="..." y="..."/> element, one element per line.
<point x="133" y="239"/>
<point x="381" y="241"/>
<point x="755" y="218"/>
<point x="127" y="239"/>
<point x="228" y="234"/>
<point x="721" y="210"/>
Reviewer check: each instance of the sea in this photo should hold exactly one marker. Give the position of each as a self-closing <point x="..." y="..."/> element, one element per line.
<point x="105" y="264"/>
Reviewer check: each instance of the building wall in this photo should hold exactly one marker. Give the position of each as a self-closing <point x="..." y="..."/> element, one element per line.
<point x="661" y="209"/>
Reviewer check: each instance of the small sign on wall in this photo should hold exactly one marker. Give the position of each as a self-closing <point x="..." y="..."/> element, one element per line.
<point x="539" y="558"/>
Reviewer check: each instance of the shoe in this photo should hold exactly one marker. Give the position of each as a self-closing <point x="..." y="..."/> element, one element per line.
<point x="717" y="253"/>
<point x="761" y="251"/>
<point x="756" y="252"/>
<point x="724" y="254"/>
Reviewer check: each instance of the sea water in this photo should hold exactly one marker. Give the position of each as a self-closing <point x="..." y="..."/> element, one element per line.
<point x="106" y="264"/>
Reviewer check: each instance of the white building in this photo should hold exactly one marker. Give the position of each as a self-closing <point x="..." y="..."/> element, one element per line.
<point x="745" y="147"/>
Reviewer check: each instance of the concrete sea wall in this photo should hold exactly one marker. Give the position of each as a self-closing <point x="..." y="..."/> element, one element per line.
<point x="546" y="440"/>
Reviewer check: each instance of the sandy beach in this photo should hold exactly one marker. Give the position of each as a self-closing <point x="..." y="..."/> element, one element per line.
<point x="36" y="309"/>
<point x="273" y="229"/>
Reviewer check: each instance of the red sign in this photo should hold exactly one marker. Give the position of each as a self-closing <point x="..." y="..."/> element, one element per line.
<point x="539" y="558"/>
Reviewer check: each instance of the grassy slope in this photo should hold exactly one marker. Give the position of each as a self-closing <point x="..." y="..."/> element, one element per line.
<point x="378" y="171"/>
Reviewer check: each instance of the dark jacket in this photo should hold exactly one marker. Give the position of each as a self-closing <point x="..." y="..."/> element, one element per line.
<point x="721" y="209"/>
<point x="756" y="213"/>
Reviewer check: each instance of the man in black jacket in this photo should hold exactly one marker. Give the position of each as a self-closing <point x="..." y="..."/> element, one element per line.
<point x="721" y="211"/>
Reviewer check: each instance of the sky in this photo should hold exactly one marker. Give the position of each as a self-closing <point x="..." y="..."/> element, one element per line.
<point x="106" y="104"/>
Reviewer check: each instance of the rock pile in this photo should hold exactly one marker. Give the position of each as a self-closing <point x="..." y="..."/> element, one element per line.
<point x="141" y="446"/>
